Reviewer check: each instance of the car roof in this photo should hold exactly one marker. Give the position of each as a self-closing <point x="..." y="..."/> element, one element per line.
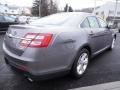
<point x="78" y="13"/>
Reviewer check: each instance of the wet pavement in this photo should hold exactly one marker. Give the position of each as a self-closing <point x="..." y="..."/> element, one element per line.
<point x="102" y="69"/>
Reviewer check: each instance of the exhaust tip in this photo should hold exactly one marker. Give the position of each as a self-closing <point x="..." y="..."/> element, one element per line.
<point x="31" y="80"/>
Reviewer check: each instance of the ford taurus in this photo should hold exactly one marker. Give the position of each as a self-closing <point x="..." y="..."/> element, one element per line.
<point x="57" y="44"/>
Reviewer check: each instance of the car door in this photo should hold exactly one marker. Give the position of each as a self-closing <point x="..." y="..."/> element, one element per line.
<point x="2" y="24"/>
<point x="106" y="32"/>
<point x="96" y="35"/>
<point x="9" y="21"/>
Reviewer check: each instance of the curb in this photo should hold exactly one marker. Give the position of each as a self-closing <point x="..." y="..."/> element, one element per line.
<point x="106" y="86"/>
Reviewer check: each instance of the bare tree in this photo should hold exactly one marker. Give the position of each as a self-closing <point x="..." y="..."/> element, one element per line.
<point x="46" y="7"/>
<point x="53" y="7"/>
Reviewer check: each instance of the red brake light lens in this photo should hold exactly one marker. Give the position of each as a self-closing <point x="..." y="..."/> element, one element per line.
<point x="37" y="40"/>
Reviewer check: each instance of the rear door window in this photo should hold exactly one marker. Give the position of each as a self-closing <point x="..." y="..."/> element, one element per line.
<point x="93" y="22"/>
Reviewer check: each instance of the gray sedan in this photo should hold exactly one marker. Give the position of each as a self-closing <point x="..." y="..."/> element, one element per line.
<point x="57" y="44"/>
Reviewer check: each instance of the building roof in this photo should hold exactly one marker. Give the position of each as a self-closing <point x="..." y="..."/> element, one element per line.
<point x="109" y="6"/>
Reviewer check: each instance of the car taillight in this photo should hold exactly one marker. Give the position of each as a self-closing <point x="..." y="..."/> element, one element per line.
<point x="37" y="40"/>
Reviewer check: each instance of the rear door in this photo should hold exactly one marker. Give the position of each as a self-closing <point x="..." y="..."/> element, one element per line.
<point x="96" y="34"/>
<point x="106" y="32"/>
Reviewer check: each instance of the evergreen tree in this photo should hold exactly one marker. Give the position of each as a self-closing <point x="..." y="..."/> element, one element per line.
<point x="68" y="8"/>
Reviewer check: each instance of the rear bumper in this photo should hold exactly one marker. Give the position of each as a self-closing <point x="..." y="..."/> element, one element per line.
<point x="31" y="68"/>
<point x="16" y="63"/>
<point x="21" y="69"/>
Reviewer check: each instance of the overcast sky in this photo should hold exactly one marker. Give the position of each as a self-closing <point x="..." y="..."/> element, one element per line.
<point x="76" y="4"/>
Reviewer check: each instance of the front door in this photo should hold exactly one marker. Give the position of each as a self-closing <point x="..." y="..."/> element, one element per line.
<point x="106" y="32"/>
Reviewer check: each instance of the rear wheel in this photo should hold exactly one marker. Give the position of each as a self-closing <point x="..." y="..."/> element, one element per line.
<point x="81" y="63"/>
<point x="6" y="61"/>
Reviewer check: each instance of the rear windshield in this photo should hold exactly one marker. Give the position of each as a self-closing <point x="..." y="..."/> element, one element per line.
<point x="56" y="19"/>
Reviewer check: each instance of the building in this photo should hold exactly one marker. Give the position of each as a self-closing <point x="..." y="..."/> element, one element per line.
<point x="87" y="10"/>
<point x="3" y="9"/>
<point x="14" y="10"/>
<point x="107" y="11"/>
<point x="19" y="10"/>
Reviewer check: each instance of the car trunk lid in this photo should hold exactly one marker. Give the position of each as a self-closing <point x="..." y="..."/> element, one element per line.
<point x="16" y="34"/>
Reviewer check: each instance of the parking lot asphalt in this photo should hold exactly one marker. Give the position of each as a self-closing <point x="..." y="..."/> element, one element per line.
<point x="103" y="68"/>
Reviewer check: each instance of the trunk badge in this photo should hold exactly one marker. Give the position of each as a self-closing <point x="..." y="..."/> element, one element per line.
<point x="15" y="33"/>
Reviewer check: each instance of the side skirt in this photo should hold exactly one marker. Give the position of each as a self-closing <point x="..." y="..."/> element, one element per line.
<point x="100" y="51"/>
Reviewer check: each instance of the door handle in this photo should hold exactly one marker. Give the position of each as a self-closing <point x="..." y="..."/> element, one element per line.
<point x="69" y="41"/>
<point x="91" y="33"/>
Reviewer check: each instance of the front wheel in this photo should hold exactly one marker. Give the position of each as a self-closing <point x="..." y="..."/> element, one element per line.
<point x="113" y="44"/>
<point x="81" y="63"/>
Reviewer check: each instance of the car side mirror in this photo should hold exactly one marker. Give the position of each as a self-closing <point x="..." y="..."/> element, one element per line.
<point x="111" y="27"/>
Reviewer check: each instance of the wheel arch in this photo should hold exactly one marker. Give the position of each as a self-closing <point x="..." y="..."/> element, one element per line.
<point x="86" y="46"/>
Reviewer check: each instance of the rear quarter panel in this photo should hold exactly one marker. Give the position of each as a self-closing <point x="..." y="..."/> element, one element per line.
<point x="68" y="44"/>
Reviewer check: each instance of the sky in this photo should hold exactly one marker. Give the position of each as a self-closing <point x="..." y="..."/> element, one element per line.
<point x="76" y="4"/>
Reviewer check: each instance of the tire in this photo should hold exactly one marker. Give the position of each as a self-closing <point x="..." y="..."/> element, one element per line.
<point x="81" y="63"/>
<point x="6" y="61"/>
<point x="113" y="44"/>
